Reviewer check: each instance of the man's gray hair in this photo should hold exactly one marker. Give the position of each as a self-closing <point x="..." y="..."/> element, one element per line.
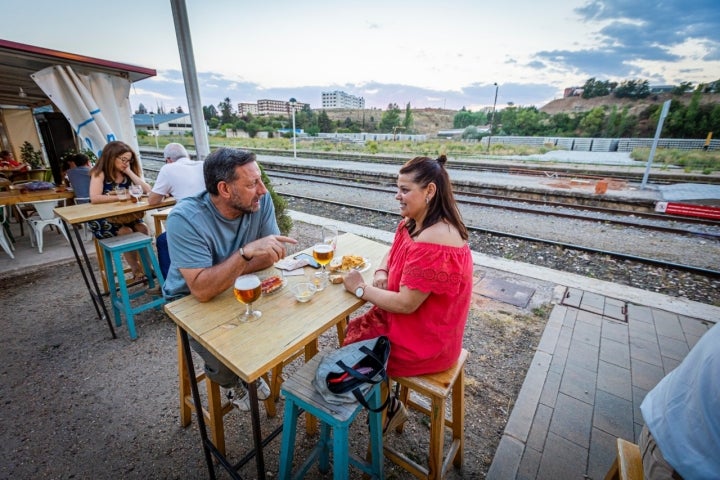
<point x="173" y="151"/>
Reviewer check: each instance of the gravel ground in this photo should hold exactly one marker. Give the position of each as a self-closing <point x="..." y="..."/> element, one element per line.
<point x="692" y="250"/>
<point x="77" y="404"/>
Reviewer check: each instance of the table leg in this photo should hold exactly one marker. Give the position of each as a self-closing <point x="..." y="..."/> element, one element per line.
<point x="208" y="448"/>
<point x="311" y="423"/>
<point x="94" y="289"/>
<point x="257" y="431"/>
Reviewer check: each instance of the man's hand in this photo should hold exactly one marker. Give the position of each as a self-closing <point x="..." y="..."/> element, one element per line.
<point x="271" y="247"/>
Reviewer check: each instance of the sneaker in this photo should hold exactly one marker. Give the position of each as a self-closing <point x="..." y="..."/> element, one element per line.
<point x="240" y="398"/>
<point x="396" y="415"/>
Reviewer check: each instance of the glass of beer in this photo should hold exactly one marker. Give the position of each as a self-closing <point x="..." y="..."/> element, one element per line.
<point x="323" y="253"/>
<point x="330" y="235"/>
<point x="247" y="290"/>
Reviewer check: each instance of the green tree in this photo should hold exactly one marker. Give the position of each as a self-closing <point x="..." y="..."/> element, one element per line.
<point x="209" y="112"/>
<point x="226" y="111"/>
<point x="408" y="121"/>
<point x="684" y="87"/>
<point x="692" y="115"/>
<point x="324" y="123"/>
<point x="591" y="125"/>
<point x="390" y="118"/>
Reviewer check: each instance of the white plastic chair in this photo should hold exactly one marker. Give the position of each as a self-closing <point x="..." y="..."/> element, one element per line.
<point x="43" y="217"/>
<point x="5" y="242"/>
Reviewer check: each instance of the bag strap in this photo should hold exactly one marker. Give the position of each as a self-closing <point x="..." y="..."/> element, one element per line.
<point x="358" y="395"/>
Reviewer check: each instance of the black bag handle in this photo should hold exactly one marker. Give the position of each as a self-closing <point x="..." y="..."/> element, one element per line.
<point x="358" y="395"/>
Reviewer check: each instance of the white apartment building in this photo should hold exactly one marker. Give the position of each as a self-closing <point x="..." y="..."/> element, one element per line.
<point x="269" y="107"/>
<point x="245" y="108"/>
<point x="338" y="99"/>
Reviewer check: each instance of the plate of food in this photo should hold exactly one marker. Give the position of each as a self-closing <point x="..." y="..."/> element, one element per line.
<point x="272" y="284"/>
<point x="349" y="262"/>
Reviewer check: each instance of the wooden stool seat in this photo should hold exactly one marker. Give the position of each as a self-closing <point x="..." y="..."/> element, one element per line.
<point x="301" y="395"/>
<point x="438" y="387"/>
<point x="112" y="250"/>
<point x="628" y="462"/>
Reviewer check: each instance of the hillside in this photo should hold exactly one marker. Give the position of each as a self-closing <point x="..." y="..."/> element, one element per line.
<point x="427" y="120"/>
<point x="579" y="104"/>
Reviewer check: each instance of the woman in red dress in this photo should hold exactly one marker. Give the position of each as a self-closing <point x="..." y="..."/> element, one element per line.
<point x="422" y="289"/>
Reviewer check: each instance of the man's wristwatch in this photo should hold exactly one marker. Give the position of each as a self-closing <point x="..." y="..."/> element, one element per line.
<point x="242" y="254"/>
<point x="360" y="291"/>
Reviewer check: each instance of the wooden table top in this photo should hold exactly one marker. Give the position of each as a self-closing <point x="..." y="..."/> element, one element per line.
<point x="253" y="348"/>
<point x="14" y="196"/>
<point x="92" y="211"/>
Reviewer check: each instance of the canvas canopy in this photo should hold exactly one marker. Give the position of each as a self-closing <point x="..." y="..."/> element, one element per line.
<point x="96" y="104"/>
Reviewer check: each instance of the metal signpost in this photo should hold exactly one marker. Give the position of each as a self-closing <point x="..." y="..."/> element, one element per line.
<point x="663" y="114"/>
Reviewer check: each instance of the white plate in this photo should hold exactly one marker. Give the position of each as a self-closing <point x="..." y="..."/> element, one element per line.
<point x="338" y="261"/>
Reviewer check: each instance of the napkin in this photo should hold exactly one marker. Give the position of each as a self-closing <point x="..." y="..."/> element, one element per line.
<point x="292" y="266"/>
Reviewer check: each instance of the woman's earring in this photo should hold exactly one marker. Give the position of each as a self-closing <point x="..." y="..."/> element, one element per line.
<point x="427" y="200"/>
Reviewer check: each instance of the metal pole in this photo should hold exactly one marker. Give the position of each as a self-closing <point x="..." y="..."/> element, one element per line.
<point x="292" y="107"/>
<point x="492" y="116"/>
<point x="155" y="133"/>
<point x="192" y="90"/>
<point x="663" y="114"/>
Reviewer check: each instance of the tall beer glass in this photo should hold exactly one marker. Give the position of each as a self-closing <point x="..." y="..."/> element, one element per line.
<point x="247" y="290"/>
<point x="323" y="253"/>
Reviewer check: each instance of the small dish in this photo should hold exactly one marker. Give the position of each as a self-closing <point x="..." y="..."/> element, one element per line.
<point x="272" y="284"/>
<point x="336" y="266"/>
<point x="303" y="291"/>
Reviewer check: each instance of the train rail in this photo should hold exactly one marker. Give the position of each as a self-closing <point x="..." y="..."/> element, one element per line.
<point x="614" y="216"/>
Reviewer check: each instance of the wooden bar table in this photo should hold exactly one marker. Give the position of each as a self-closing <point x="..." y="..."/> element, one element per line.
<point x="75" y="215"/>
<point x="254" y="348"/>
<point x="15" y="196"/>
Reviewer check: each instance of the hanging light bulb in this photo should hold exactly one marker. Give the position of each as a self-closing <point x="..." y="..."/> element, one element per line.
<point x="22" y="93"/>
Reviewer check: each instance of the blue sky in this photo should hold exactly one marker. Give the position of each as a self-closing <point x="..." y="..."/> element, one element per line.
<point x="429" y="53"/>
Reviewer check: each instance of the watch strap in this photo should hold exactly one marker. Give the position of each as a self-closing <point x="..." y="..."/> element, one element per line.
<point x="242" y="254"/>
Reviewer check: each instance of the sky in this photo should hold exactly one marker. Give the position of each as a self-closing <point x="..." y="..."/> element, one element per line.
<point x="431" y="54"/>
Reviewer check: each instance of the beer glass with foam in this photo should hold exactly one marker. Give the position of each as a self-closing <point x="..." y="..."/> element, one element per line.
<point x="247" y="289"/>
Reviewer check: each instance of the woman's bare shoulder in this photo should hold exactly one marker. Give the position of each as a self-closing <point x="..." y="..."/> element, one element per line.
<point x="442" y="234"/>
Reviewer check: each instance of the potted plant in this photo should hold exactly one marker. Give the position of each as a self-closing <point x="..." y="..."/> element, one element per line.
<point x="29" y="156"/>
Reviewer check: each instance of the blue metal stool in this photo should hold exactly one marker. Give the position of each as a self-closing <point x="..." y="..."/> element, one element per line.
<point x="120" y="297"/>
<point x="300" y="395"/>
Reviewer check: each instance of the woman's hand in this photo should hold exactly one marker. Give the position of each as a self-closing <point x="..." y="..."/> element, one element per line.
<point x="380" y="279"/>
<point x="352" y="280"/>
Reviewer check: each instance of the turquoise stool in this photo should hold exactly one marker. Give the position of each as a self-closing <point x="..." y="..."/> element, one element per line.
<point x="120" y="297"/>
<point x="300" y="395"/>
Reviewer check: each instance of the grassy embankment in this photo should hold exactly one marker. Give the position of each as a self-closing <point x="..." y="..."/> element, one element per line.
<point x="689" y="160"/>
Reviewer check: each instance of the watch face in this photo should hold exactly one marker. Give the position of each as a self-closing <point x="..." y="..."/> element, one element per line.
<point x="359" y="291"/>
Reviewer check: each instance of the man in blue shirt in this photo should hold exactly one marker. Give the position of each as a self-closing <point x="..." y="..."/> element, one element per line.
<point x="681" y="436"/>
<point x="219" y="234"/>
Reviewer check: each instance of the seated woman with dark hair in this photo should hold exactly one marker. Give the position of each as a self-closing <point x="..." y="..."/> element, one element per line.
<point x="118" y="167"/>
<point x="422" y="290"/>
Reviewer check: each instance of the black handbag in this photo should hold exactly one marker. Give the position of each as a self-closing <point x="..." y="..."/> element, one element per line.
<point x="347" y="374"/>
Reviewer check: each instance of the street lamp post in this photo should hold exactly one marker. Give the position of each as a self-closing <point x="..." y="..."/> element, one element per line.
<point x="492" y="116"/>
<point x="293" y="102"/>
<point x="152" y="118"/>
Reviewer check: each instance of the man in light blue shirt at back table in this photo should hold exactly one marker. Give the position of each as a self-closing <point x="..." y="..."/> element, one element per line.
<point x="681" y="437"/>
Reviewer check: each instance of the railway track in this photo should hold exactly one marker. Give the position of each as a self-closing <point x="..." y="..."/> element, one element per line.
<point x="670" y="278"/>
<point x="675" y="276"/>
<point x="614" y="216"/>
<point x="499" y="165"/>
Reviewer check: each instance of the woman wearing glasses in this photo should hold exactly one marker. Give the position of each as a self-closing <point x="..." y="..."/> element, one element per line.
<point x="117" y="169"/>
